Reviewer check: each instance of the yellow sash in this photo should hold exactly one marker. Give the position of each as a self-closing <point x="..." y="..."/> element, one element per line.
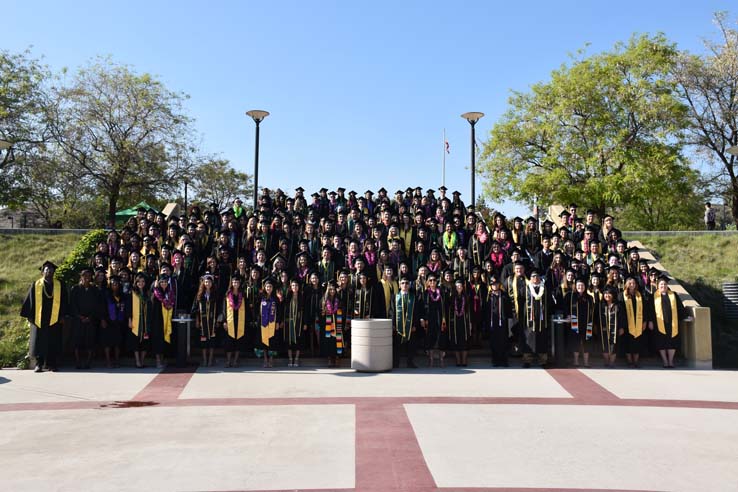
<point x="55" y="302"/>
<point x="166" y="318"/>
<point x="635" y="326"/>
<point x="135" y="307"/>
<point x="234" y="331"/>
<point x="660" y="315"/>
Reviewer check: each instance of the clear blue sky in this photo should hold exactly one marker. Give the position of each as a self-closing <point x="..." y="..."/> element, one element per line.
<point x="359" y="91"/>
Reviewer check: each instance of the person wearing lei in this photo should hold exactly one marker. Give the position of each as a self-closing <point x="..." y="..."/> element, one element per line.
<point x="538" y="301"/>
<point x="497" y="319"/>
<point x="579" y="311"/>
<point x="668" y="311"/>
<point x="449" y="240"/>
<point x="515" y="286"/>
<point x="406" y="314"/>
<point x="331" y="333"/>
<point x="433" y="320"/>
<point x="162" y="311"/>
<point x="270" y="321"/>
<point x="44" y="307"/>
<point x="235" y="319"/>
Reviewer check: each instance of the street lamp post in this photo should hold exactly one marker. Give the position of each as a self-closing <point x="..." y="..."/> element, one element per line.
<point x="258" y="116"/>
<point x="186" y="211"/>
<point x="472" y="118"/>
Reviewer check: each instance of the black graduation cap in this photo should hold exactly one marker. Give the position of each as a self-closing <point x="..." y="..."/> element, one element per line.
<point x="163" y="278"/>
<point x="408" y="190"/>
<point x="599" y="262"/>
<point x="515" y="251"/>
<point x="399" y="192"/>
<point x="315" y="195"/>
<point x="608" y="216"/>
<point x="517" y="219"/>
<point x="237" y="276"/>
<point x="340" y="189"/>
<point x="352" y="193"/>
<point x="573" y="205"/>
<point x="530" y="219"/>
<point x="456" y="193"/>
<point x="548" y="223"/>
<point x="654" y="271"/>
<point x="611" y="290"/>
<point x="369" y="192"/>
<point x="633" y="249"/>
<point x="663" y="277"/>
<point x="565" y="213"/>
<point x="49" y="264"/>
<point x="323" y="190"/>
<point x="430" y="191"/>
<point x="299" y="189"/>
<point x="535" y="272"/>
<point x="418" y="188"/>
<point x="442" y="188"/>
<point x="381" y="190"/>
<point x="643" y="261"/>
<point x="332" y="193"/>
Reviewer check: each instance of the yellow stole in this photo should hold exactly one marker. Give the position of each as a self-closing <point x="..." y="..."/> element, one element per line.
<point x="389" y="288"/>
<point x="135" y="309"/>
<point x="55" y="301"/>
<point x="635" y="324"/>
<point x="660" y="314"/>
<point x="234" y="331"/>
<point x="166" y="319"/>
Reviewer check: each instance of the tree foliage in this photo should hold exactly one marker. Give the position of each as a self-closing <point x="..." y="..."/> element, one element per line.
<point x="708" y="84"/>
<point x="125" y="132"/>
<point x="604" y="132"/>
<point x="215" y="181"/>
<point x="22" y="122"/>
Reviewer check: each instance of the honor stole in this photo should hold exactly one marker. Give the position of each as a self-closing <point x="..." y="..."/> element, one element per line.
<point x="138" y="316"/>
<point x="235" y="330"/>
<point x="635" y="320"/>
<point x="404" y="305"/>
<point x="658" y="307"/>
<point x="268" y="319"/>
<point x="55" y="301"/>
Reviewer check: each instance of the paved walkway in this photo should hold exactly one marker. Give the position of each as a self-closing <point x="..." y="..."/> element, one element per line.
<point x="469" y="430"/>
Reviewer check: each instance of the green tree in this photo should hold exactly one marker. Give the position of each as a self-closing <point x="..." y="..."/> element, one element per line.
<point x="598" y="133"/>
<point x="125" y="132"/>
<point x="708" y="84"/>
<point x="22" y="122"/>
<point x="215" y="181"/>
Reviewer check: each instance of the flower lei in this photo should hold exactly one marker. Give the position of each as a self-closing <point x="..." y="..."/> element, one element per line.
<point x="371" y="257"/>
<point x="331" y="307"/>
<point x="449" y="240"/>
<point x="435" y="295"/>
<point x="235" y="303"/>
<point x="164" y="297"/>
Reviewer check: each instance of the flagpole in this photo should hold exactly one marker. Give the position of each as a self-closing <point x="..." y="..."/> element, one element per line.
<point x="443" y="175"/>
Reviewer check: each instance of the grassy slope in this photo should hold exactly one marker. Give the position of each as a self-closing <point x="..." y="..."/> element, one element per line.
<point x="20" y="257"/>
<point x="701" y="264"/>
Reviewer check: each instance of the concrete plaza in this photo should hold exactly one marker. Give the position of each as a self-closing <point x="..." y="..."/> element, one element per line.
<point x="453" y="429"/>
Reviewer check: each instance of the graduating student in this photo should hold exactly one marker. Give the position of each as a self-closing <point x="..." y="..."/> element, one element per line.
<point x="579" y="310"/>
<point x="459" y="323"/>
<point x="313" y="300"/>
<point x="515" y="286"/>
<point x="270" y="321"/>
<point x="406" y="314"/>
<point x="367" y="302"/>
<point x="331" y="333"/>
<point x="612" y="323"/>
<point x="139" y="319"/>
<point x="537" y="329"/>
<point x="434" y="320"/>
<point x="638" y="315"/>
<point x="117" y="321"/>
<point x="163" y="300"/>
<point x="668" y="312"/>
<point x="86" y="305"/>
<point x="44" y="307"/>
<point x="296" y="326"/>
<point x="206" y="311"/>
<point x="496" y="319"/>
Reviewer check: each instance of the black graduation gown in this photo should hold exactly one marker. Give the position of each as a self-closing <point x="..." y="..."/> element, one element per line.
<point x="434" y="315"/>
<point x="406" y="342"/>
<point x="205" y="311"/>
<point x="611" y="321"/>
<point x="667" y="341"/>
<point x="459" y="322"/>
<point x="368" y="303"/>
<point x="45" y="339"/>
<point x="581" y="307"/>
<point x="295" y="315"/>
<point x="90" y="304"/>
<point x="497" y="312"/>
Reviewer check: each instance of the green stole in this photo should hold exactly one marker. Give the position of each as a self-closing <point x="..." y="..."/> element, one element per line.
<point x="404" y="305"/>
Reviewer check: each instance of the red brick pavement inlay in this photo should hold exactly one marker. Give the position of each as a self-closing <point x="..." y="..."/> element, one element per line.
<point x="388" y="456"/>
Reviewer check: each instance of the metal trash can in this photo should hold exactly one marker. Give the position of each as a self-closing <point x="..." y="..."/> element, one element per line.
<point x="371" y="345"/>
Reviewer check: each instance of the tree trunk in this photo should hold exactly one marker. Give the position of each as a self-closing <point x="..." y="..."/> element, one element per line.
<point x="112" y="207"/>
<point x="734" y="200"/>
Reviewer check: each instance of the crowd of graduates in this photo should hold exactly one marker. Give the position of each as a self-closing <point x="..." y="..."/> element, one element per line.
<point x="288" y="279"/>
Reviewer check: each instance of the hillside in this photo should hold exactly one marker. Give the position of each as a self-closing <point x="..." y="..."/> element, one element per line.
<point x="21" y="255"/>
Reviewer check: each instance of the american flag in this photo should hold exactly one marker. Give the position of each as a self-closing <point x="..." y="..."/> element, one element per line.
<point x="448" y="148"/>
